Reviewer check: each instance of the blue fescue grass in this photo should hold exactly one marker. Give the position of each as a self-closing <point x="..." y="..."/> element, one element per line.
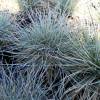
<point x="6" y="27"/>
<point x="49" y="42"/>
<point x="53" y="61"/>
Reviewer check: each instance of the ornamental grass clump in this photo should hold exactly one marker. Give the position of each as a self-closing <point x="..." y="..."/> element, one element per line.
<point x="6" y="28"/>
<point x="6" y="33"/>
<point x="42" y="37"/>
<point x="87" y="48"/>
<point x="53" y="60"/>
<point x="35" y="85"/>
<point x="49" y="43"/>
